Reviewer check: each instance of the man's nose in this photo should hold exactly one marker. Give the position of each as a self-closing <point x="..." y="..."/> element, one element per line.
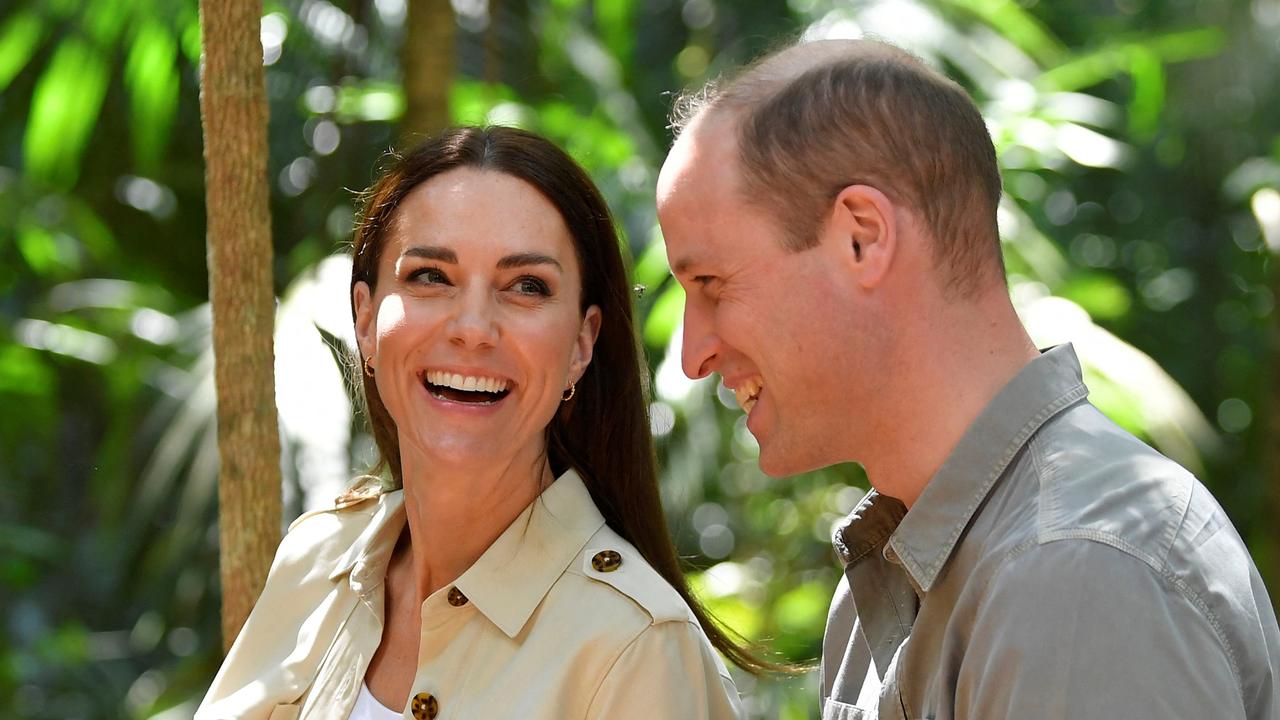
<point x="474" y="323"/>
<point x="700" y="347"/>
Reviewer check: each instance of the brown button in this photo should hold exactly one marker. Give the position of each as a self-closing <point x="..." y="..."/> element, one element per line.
<point x="456" y="598"/>
<point x="606" y="561"/>
<point x="425" y="706"/>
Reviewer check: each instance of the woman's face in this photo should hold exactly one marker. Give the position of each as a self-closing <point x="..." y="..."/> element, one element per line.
<point x="474" y="331"/>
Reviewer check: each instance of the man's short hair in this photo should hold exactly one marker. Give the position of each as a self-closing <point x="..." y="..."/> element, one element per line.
<point x="814" y="118"/>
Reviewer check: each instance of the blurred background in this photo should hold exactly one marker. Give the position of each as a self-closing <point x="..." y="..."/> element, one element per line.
<point x="1140" y="144"/>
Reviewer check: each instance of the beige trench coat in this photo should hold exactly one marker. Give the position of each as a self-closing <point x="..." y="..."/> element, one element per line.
<point x="534" y="630"/>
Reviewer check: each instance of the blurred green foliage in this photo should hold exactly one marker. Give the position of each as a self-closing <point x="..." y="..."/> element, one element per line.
<point x="1140" y="142"/>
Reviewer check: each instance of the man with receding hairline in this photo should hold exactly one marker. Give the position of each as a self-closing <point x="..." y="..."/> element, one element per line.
<point x="831" y="213"/>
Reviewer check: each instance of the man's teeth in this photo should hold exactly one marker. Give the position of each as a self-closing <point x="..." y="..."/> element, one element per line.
<point x="466" y="382"/>
<point x="747" y="393"/>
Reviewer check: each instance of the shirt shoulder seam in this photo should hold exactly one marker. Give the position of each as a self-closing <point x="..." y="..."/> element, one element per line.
<point x="1159" y="569"/>
<point x="604" y="677"/>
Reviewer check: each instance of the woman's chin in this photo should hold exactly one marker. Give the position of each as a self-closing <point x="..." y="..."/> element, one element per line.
<point x="461" y="452"/>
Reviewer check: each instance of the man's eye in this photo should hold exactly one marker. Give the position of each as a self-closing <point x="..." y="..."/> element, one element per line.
<point x="429" y="275"/>
<point x="529" y="285"/>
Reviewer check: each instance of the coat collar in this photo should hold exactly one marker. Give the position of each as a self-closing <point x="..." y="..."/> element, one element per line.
<point x="507" y="582"/>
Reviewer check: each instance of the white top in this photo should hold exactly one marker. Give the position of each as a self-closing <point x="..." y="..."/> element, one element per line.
<point x="368" y="708"/>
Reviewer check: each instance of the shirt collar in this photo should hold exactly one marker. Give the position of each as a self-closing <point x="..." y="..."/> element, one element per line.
<point x="925" y="536"/>
<point x="370" y="552"/>
<point x="512" y="577"/>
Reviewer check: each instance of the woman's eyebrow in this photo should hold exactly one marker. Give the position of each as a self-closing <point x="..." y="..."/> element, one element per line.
<point x="528" y="258"/>
<point x="432" y="252"/>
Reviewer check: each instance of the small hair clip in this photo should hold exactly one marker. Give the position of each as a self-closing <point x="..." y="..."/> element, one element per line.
<point x="638" y="289"/>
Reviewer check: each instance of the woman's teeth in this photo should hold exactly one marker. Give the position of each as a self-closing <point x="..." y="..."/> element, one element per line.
<point x="467" y="383"/>
<point x="748" y="393"/>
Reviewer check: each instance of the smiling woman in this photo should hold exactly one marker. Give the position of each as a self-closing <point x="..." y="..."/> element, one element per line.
<point x="509" y="557"/>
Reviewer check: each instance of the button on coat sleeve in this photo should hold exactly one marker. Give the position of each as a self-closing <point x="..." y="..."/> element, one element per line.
<point x="668" y="671"/>
<point x="1080" y="629"/>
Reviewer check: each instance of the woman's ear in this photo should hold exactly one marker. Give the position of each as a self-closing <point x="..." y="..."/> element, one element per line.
<point x="585" y="345"/>
<point x="362" y="301"/>
<point x="864" y="228"/>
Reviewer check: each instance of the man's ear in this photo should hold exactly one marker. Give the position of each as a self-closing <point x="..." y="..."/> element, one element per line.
<point x="366" y="314"/>
<point x="865" y="230"/>
<point x="584" y="347"/>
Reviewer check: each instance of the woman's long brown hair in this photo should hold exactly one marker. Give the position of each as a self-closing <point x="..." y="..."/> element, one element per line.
<point x="603" y="432"/>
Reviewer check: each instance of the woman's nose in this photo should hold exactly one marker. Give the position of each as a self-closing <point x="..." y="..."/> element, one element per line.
<point x="474" y="325"/>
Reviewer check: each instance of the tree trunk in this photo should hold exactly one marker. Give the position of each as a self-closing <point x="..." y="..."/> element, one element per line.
<point x="233" y="108"/>
<point x="427" y="60"/>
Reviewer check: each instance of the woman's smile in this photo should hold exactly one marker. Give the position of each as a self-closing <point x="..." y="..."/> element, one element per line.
<point x="476" y="318"/>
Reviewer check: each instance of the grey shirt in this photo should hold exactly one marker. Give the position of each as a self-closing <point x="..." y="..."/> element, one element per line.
<point x="1054" y="567"/>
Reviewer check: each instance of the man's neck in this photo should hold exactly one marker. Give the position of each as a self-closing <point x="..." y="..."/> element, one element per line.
<point x="947" y="375"/>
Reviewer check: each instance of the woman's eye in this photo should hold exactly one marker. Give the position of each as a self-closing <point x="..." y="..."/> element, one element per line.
<point x="530" y="285"/>
<point x="429" y="275"/>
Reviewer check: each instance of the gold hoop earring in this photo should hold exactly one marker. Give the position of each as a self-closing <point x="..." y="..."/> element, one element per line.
<point x="368" y="366"/>
<point x="569" y="393"/>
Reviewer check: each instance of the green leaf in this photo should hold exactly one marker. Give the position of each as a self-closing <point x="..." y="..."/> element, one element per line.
<point x="371" y="101"/>
<point x="64" y="111"/>
<point x="1147" y="103"/>
<point x="24" y="372"/>
<point x="664" y="316"/>
<point x="19" y="38"/>
<point x="46" y="253"/>
<point x="1116" y="402"/>
<point x="729" y="610"/>
<point x="651" y="268"/>
<point x="1089" y="69"/>
<point x="615" y="19"/>
<point x="1102" y="296"/>
<point x="470" y="102"/>
<point x="103" y="20"/>
<point x="151" y="76"/>
<point x="1016" y="25"/>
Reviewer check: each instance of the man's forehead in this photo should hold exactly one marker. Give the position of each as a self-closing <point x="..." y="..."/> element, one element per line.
<point x="703" y="158"/>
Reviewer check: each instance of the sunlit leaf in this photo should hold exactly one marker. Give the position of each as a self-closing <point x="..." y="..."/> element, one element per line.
<point x="614" y="18"/>
<point x="1102" y="296"/>
<point x="24" y="372"/>
<point x="1147" y="102"/>
<point x="371" y="101"/>
<point x="1016" y="25"/>
<point x="651" y="267"/>
<point x="470" y="101"/>
<point x="1115" y="401"/>
<point x="1089" y="69"/>
<point x="47" y="253"/>
<point x="664" y="316"/>
<point x="105" y="19"/>
<point x="743" y="618"/>
<point x="64" y="111"/>
<point x="151" y="75"/>
<point x="19" y="37"/>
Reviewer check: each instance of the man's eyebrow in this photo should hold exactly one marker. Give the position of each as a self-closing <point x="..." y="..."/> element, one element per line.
<point x="681" y="265"/>
<point x="528" y="258"/>
<point x="432" y="252"/>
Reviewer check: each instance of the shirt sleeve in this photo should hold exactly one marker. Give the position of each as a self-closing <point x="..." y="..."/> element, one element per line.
<point x="669" y="670"/>
<point x="1079" y="629"/>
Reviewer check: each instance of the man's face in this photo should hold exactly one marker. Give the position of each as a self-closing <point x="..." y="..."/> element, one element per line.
<point x="782" y="328"/>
